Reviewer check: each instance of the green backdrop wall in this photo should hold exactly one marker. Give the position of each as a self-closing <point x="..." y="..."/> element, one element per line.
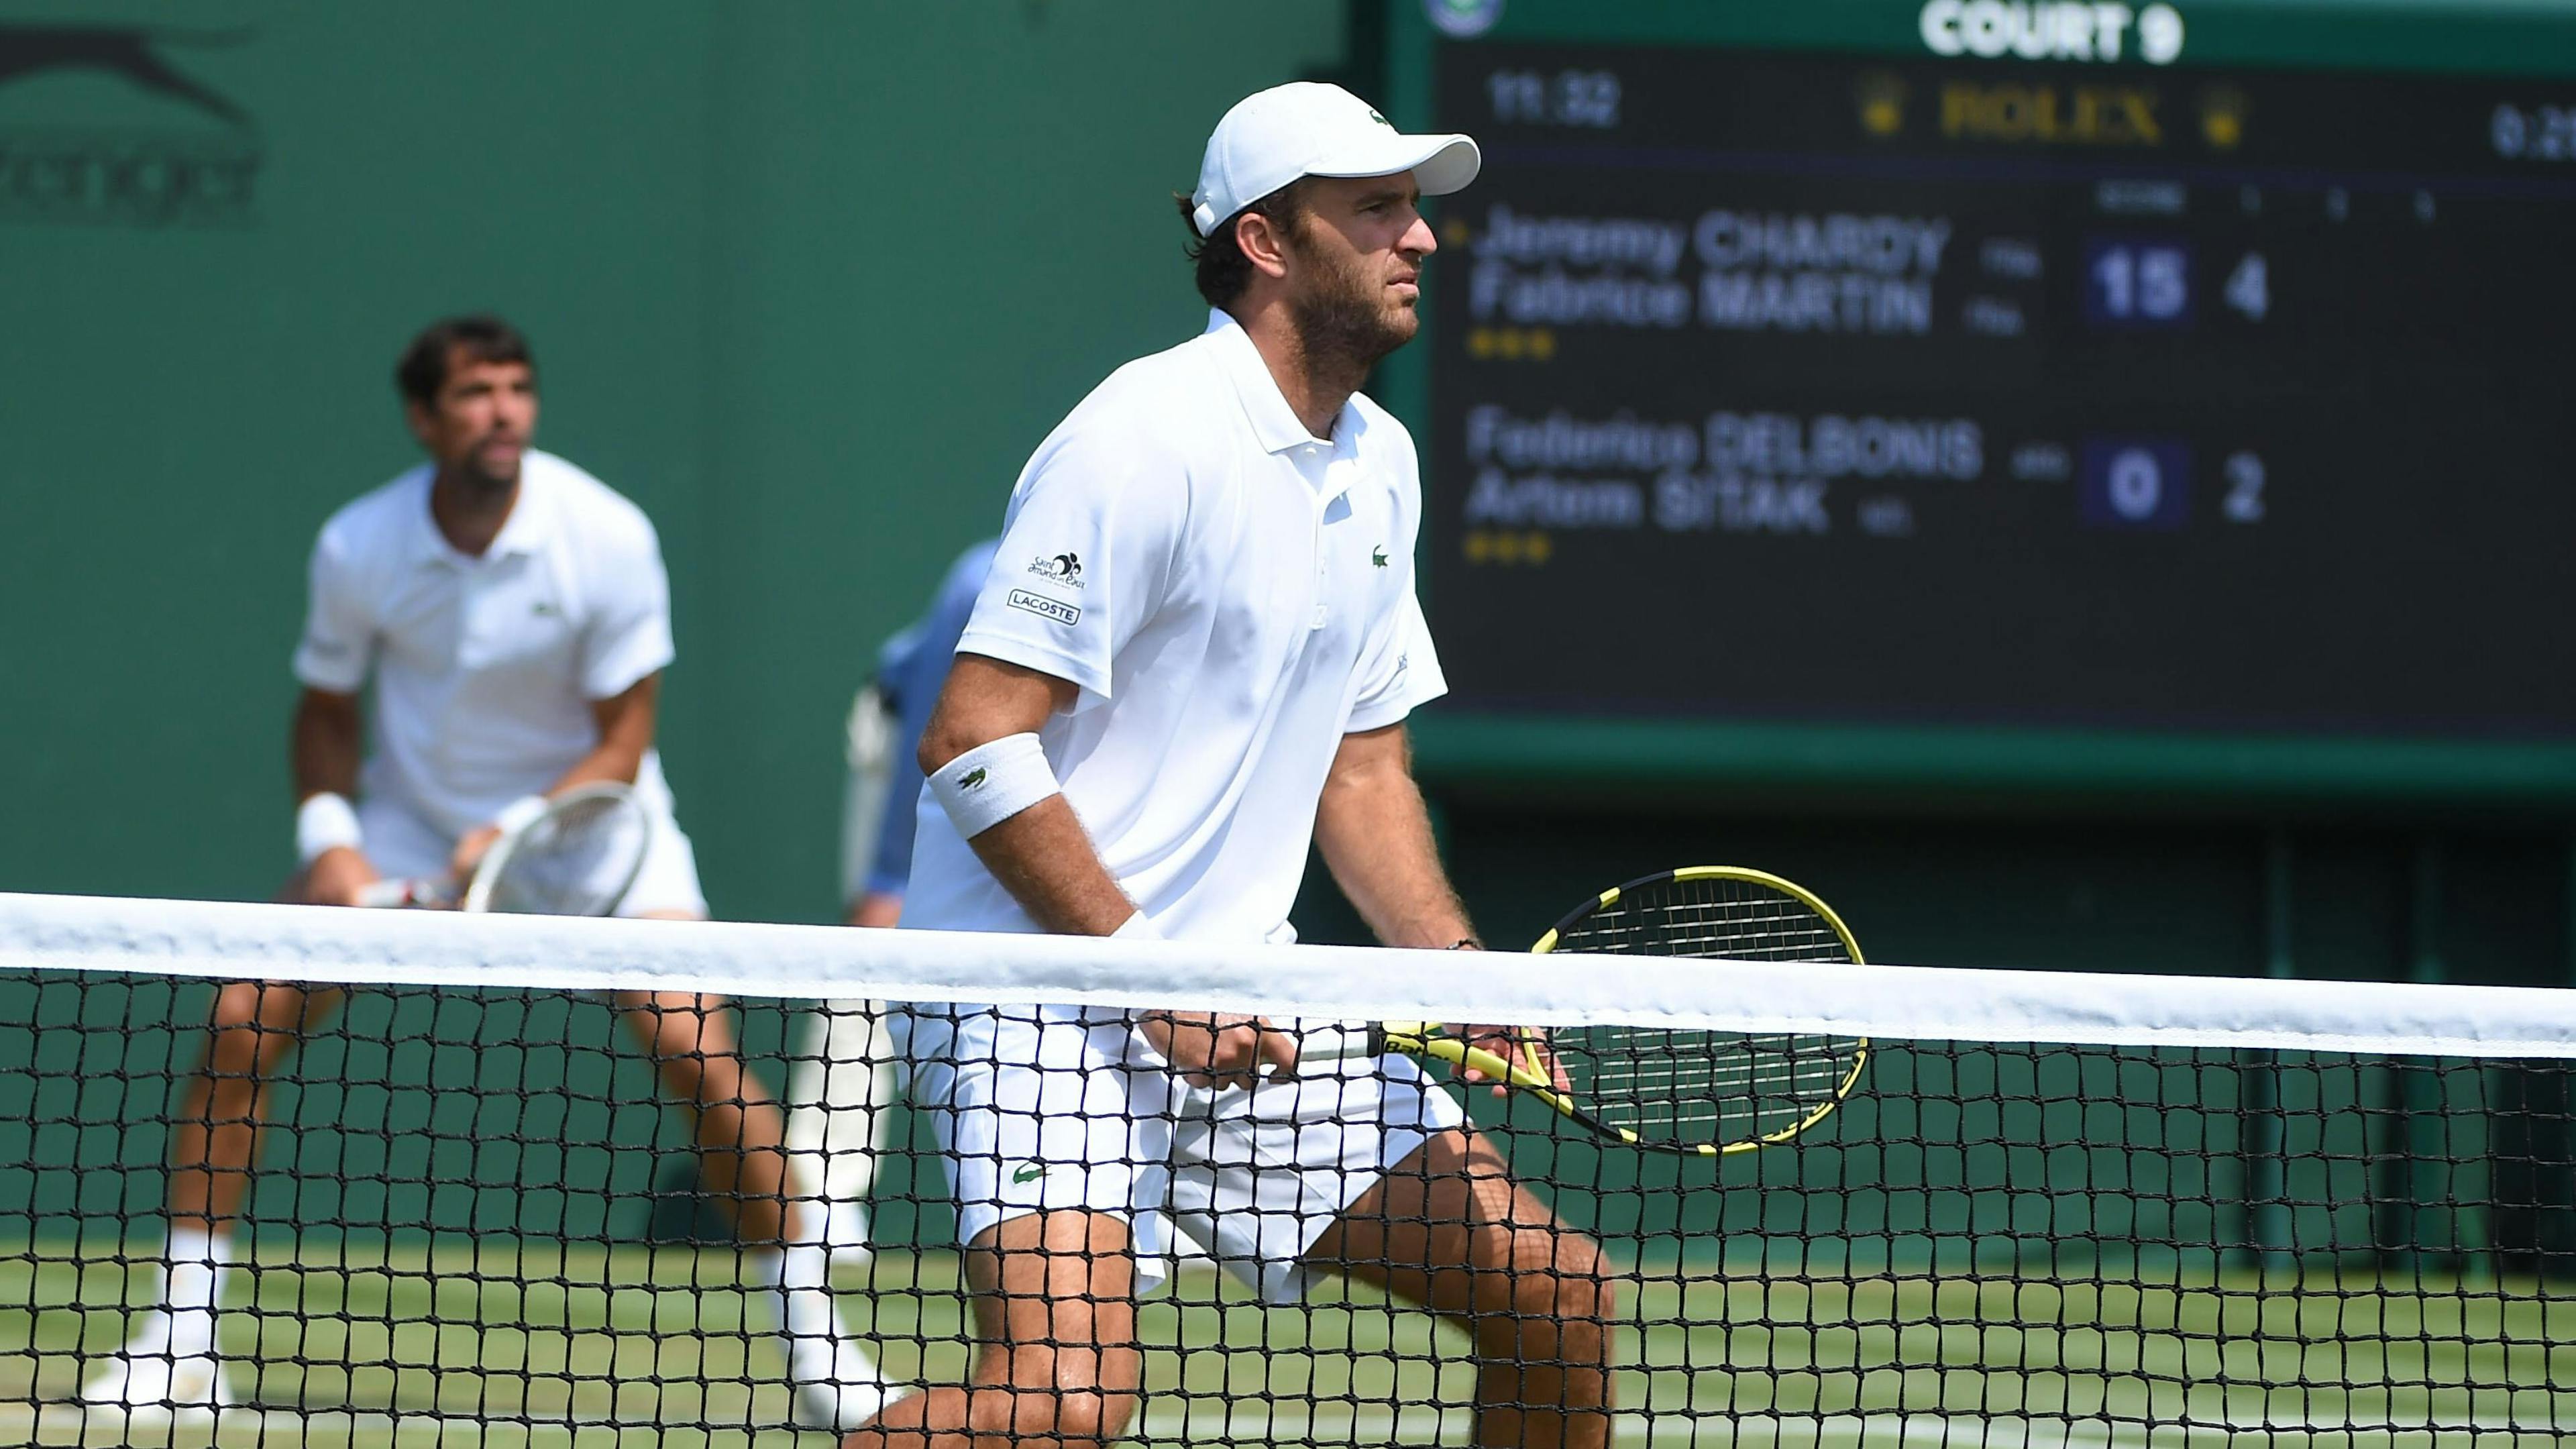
<point x="808" y="281"/>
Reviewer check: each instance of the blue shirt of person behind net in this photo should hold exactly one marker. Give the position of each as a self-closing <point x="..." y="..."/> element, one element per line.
<point x="911" y="669"/>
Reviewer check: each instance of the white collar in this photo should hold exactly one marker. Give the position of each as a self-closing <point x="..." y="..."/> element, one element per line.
<point x="1274" y="424"/>
<point x="526" y="531"/>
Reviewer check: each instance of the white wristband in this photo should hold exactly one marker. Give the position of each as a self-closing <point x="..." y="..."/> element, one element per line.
<point x="1137" y="927"/>
<point x="516" y="815"/>
<point x="325" y="822"/>
<point x="991" y="783"/>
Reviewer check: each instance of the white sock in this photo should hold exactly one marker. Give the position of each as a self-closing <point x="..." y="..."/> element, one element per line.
<point x="192" y="1281"/>
<point x="796" y="1289"/>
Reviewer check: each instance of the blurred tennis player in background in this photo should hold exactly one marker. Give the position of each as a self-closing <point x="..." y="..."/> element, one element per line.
<point x="514" y="615"/>
<point x="1195" y="653"/>
<point x="840" y="1088"/>
<point x="910" y="669"/>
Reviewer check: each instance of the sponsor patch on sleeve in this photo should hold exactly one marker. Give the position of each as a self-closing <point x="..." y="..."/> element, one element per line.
<point x="1044" y="607"/>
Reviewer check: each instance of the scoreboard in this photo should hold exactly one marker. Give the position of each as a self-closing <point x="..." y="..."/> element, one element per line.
<point x="2066" y="396"/>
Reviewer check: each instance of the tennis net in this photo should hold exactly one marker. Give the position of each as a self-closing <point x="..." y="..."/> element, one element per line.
<point x="2055" y="1210"/>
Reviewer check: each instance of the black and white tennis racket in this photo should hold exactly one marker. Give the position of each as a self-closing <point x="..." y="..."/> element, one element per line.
<point x="578" y="858"/>
<point x="1704" y="1093"/>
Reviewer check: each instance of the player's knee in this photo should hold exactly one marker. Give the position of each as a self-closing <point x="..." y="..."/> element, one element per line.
<point x="1588" y="1295"/>
<point x="232" y="1055"/>
<point x="238" y="1047"/>
<point x="1556" y="1295"/>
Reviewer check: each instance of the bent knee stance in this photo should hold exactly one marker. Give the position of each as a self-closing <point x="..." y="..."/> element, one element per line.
<point x="254" y="1026"/>
<point x="1542" y="1295"/>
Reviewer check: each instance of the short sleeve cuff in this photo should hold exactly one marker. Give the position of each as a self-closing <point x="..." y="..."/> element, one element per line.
<point x="1418" y="681"/>
<point x="1030" y="654"/>
<point x="618" y="671"/>
<point x="335" y="668"/>
<point x="1378" y="714"/>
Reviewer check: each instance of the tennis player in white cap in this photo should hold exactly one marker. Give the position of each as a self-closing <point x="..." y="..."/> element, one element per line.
<point x="1193" y="655"/>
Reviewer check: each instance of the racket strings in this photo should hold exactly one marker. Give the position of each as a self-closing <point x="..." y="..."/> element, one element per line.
<point x="576" y="860"/>
<point x="1708" y="919"/>
<point x="1703" y="1086"/>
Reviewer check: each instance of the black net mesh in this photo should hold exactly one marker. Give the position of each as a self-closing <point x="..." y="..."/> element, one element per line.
<point x="483" y="1217"/>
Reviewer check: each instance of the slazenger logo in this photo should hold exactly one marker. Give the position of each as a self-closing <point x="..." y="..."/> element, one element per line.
<point x="2050" y="30"/>
<point x="158" y="172"/>
<point x="1044" y="607"/>
<point x="1058" y="568"/>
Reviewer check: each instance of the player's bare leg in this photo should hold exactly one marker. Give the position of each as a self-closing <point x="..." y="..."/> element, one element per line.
<point x="741" y="1131"/>
<point x="1056" y="1357"/>
<point x="168" y="1359"/>
<point x="1448" y="1229"/>
<point x="742" y="1153"/>
<point x="223" y="1118"/>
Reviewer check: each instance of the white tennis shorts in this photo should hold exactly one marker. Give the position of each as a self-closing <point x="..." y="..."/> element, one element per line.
<point x="1036" y="1107"/>
<point x="401" y="845"/>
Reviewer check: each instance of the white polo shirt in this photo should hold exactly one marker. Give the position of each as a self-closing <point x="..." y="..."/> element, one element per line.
<point x="1232" y="596"/>
<point x="486" y="668"/>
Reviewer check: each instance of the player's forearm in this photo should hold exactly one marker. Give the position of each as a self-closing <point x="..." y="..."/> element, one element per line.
<point x="1043" y="857"/>
<point x="1375" y="837"/>
<point x="324" y="746"/>
<point x="625" y="723"/>
<point x="986" y="769"/>
<point x="608" y="762"/>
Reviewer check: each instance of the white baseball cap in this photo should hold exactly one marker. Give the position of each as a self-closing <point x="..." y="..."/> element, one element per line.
<point x="1308" y="128"/>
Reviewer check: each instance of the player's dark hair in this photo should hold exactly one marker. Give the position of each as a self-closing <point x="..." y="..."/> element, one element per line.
<point x="485" y="338"/>
<point x="1223" y="270"/>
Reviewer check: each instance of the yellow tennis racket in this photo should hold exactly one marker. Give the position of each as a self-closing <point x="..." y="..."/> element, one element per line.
<point x="1704" y="1093"/>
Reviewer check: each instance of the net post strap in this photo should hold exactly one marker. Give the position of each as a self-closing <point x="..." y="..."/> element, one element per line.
<point x="308" y="943"/>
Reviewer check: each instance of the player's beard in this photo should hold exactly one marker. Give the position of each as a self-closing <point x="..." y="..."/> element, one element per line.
<point x="1341" y="316"/>
<point x="471" y="472"/>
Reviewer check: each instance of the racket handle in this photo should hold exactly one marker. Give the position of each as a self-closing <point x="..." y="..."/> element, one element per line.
<point x="1343" y="1042"/>
<point x="385" y="894"/>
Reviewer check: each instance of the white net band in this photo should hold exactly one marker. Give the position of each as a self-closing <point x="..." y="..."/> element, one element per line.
<point x="225" y="940"/>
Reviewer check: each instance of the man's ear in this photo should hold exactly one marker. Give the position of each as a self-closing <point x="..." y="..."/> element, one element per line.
<point x="1264" y="243"/>
<point x="417" y="414"/>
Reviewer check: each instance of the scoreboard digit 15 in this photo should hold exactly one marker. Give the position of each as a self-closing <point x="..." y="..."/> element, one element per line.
<point x="1981" y="393"/>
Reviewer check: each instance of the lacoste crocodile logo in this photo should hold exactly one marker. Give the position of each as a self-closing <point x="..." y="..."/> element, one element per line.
<point x="972" y="779"/>
<point x="1030" y="1173"/>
